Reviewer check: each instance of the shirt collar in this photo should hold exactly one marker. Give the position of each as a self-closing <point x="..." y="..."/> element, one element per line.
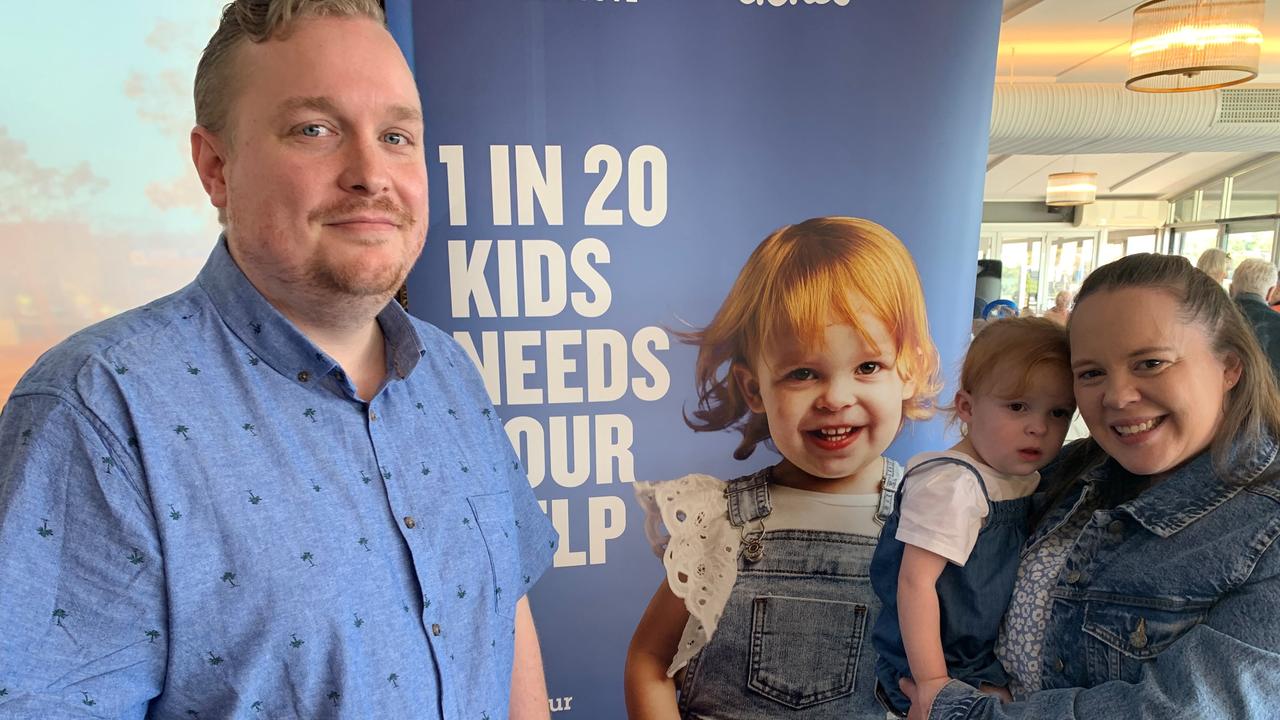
<point x="270" y="336"/>
<point x="1195" y="489"/>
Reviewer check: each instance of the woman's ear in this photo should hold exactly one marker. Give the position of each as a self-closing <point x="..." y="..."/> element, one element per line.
<point x="964" y="407"/>
<point x="749" y="386"/>
<point x="1233" y="369"/>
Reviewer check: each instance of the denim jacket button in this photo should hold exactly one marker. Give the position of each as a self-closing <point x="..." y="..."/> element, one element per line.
<point x="1073" y="577"/>
<point x="1116" y="527"/>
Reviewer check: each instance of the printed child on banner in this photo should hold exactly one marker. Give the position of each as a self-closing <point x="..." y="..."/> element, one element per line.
<point x="821" y="348"/>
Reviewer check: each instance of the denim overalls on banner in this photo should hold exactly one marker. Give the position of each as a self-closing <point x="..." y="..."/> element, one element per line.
<point x="972" y="599"/>
<point x="796" y="626"/>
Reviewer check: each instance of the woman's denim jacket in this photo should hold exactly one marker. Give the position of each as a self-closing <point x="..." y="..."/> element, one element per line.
<point x="1168" y="606"/>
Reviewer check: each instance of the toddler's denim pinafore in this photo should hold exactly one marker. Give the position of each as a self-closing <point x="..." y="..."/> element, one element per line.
<point x="972" y="599"/>
<point x="793" y="639"/>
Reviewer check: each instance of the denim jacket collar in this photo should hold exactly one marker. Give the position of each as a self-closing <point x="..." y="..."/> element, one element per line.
<point x="1194" y="489"/>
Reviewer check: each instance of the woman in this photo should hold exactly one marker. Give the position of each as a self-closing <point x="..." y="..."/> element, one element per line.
<point x="1150" y="586"/>
<point x="1215" y="263"/>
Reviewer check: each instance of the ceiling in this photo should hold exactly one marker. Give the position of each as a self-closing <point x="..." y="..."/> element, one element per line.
<point x="1086" y="41"/>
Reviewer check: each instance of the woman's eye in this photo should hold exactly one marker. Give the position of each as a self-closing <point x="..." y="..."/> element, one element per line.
<point x="869" y="368"/>
<point x="801" y="374"/>
<point x="1152" y="364"/>
<point x="1088" y="374"/>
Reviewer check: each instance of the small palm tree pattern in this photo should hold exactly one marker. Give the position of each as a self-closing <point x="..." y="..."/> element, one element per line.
<point x="486" y="412"/>
<point x="59" y="615"/>
<point x="152" y="635"/>
<point x="250" y="428"/>
<point x="4" y="691"/>
<point x="394" y="679"/>
<point x="136" y="557"/>
<point x="426" y="603"/>
<point x="421" y="409"/>
<point x="335" y="696"/>
<point x="359" y="622"/>
<point x="315" y="486"/>
<point x="464" y="467"/>
<point x="256" y="706"/>
<point x="182" y="430"/>
<point x="466" y="522"/>
<point x="87" y="700"/>
<point x="295" y="642"/>
<point x="44" y="528"/>
<point x="26" y="437"/>
<point x="365" y="478"/>
<point x="173" y="513"/>
<point x="121" y="369"/>
<point x="256" y="327"/>
<point x="309" y="414"/>
<point x="253" y="359"/>
<point x="461" y="592"/>
<point x="386" y="474"/>
<point x="254" y="499"/>
<point x="192" y="369"/>
<point x="364" y="543"/>
<point x="229" y="578"/>
<point x="214" y="659"/>
<point x="308" y="557"/>
<point x="425" y="470"/>
<point x="453" y="413"/>
<point x="108" y="462"/>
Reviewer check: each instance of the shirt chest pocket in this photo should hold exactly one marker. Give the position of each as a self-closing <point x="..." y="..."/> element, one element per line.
<point x="496" y="520"/>
<point x="1124" y="637"/>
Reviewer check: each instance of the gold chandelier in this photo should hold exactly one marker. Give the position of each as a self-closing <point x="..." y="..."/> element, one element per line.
<point x="1186" y="45"/>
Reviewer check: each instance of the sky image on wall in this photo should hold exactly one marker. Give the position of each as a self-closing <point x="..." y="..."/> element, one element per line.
<point x="100" y="209"/>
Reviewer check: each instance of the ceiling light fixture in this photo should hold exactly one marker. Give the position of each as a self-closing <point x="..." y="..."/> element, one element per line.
<point x="1071" y="188"/>
<point x="1187" y="45"/>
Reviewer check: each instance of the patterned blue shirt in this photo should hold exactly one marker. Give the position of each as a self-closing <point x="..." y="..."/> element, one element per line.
<point x="200" y="519"/>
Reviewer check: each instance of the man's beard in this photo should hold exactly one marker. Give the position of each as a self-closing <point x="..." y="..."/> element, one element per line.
<point x="351" y="280"/>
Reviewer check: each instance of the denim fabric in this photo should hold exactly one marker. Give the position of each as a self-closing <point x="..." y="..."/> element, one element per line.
<point x="794" y="629"/>
<point x="971" y="599"/>
<point x="1169" y="603"/>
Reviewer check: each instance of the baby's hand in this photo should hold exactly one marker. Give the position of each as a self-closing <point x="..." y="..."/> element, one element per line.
<point x="1000" y="692"/>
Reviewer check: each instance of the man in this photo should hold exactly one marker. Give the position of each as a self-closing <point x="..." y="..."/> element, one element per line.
<point x="274" y="493"/>
<point x="1254" y="280"/>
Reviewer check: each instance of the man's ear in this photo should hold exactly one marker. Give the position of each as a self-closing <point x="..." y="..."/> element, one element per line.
<point x="964" y="406"/>
<point x="209" y="156"/>
<point x="749" y="386"/>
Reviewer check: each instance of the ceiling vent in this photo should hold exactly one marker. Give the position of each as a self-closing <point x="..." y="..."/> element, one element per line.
<point x="1084" y="118"/>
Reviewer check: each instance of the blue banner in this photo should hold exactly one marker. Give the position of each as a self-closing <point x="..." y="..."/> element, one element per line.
<point x="600" y="171"/>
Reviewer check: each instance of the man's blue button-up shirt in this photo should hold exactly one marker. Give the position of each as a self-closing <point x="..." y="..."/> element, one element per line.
<point x="199" y="518"/>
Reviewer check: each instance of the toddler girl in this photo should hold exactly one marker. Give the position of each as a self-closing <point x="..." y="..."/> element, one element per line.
<point x="822" y="348"/>
<point x="948" y="555"/>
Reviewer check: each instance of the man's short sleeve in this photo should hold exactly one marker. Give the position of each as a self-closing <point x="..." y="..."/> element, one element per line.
<point x="537" y="538"/>
<point x="83" y="628"/>
<point x="942" y="511"/>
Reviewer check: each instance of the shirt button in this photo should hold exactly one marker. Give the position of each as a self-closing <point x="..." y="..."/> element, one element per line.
<point x="1116" y="527"/>
<point x="409" y="522"/>
<point x="373" y="415"/>
<point x="435" y="629"/>
<point x="303" y="376"/>
<point x="1073" y="577"/>
<point x="1058" y="665"/>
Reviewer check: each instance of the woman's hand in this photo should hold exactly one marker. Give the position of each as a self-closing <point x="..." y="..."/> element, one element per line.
<point x="921" y="696"/>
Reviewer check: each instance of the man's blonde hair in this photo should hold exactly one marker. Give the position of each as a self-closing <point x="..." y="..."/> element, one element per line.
<point x="256" y="21"/>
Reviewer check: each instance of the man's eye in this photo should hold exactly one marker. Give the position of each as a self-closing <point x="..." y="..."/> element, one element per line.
<point x="869" y="368"/>
<point x="395" y="138"/>
<point x="801" y="374"/>
<point x="314" y="130"/>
